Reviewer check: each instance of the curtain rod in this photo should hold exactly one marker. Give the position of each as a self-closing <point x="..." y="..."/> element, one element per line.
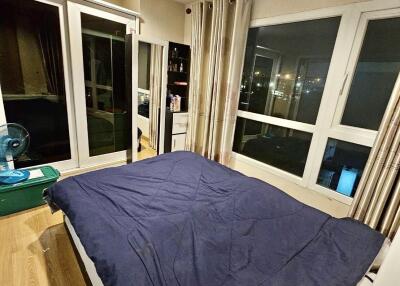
<point x="188" y="10"/>
<point x="230" y="2"/>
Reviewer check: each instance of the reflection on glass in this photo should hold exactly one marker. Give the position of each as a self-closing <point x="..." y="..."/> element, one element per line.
<point x="107" y="105"/>
<point x="376" y="73"/>
<point x="284" y="76"/>
<point x="284" y="148"/>
<point x="342" y="166"/>
<point x="32" y="78"/>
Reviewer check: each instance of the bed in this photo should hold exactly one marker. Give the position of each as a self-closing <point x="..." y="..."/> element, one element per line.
<point x="180" y="219"/>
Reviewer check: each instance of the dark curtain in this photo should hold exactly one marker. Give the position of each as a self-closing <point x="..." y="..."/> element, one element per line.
<point x="49" y="42"/>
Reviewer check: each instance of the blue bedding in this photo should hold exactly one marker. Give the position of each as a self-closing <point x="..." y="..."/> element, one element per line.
<point x="180" y="219"/>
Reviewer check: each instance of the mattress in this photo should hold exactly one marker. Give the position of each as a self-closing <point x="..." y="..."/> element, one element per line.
<point x="180" y="219"/>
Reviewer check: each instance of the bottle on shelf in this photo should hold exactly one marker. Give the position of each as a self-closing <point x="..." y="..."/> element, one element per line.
<point x="174" y="53"/>
<point x="181" y="67"/>
<point x="177" y="103"/>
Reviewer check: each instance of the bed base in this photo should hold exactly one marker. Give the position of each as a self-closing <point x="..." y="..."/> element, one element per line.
<point x="85" y="263"/>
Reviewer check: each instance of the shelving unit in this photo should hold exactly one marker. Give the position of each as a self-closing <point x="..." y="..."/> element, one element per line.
<point x="178" y="73"/>
<point x="178" y="84"/>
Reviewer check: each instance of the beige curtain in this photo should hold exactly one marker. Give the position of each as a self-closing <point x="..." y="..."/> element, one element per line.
<point x="377" y="200"/>
<point x="219" y="33"/>
<point x="155" y="93"/>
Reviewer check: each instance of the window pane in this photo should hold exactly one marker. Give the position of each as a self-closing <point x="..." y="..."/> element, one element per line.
<point x="342" y="166"/>
<point x="286" y="68"/>
<point x="32" y="78"/>
<point x="284" y="148"/>
<point x="376" y="73"/>
<point x="107" y="105"/>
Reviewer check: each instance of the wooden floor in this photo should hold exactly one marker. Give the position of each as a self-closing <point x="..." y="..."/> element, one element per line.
<point x="35" y="248"/>
<point x="146" y="151"/>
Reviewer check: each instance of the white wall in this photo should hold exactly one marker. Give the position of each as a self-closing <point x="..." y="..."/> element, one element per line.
<point x="388" y="274"/>
<point x="162" y="19"/>
<point x="188" y="26"/>
<point x="133" y="5"/>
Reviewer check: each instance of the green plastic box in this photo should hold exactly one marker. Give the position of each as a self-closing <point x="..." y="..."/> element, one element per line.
<point x="27" y="194"/>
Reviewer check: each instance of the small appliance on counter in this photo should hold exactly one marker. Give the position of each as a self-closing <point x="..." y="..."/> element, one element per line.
<point x="20" y="189"/>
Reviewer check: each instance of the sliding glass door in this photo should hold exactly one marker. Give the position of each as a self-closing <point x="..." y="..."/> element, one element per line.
<point x="34" y="82"/>
<point x="103" y="105"/>
<point x="68" y="82"/>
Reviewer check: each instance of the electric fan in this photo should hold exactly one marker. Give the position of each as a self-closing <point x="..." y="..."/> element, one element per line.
<point x="14" y="141"/>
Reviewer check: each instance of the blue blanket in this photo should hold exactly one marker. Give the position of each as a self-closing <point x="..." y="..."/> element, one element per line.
<point x="180" y="219"/>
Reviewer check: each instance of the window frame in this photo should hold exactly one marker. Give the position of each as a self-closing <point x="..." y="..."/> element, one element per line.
<point x="335" y="129"/>
<point x="75" y="35"/>
<point x="347" y="46"/>
<point x="352" y="65"/>
<point x="73" y="161"/>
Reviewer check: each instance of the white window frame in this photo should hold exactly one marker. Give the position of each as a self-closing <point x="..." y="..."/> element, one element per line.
<point x="75" y="31"/>
<point x="73" y="162"/>
<point x="353" y="61"/>
<point x="354" y="20"/>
